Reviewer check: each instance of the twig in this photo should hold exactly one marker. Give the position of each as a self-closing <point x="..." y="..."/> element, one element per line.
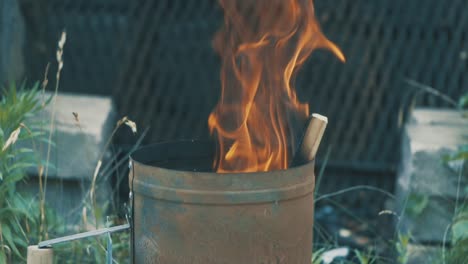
<point x="432" y="91"/>
<point x="354" y="188"/>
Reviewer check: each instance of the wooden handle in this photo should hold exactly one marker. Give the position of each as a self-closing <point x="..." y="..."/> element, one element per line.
<point x="313" y="136"/>
<point x="38" y="255"/>
<point x="311" y="139"/>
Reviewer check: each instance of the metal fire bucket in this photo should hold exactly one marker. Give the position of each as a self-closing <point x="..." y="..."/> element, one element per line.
<point x="184" y="213"/>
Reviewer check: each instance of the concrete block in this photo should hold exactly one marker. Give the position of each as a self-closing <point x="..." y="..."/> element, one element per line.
<point x="429" y="136"/>
<point x="437" y="116"/>
<point x="79" y="144"/>
<point x="418" y="254"/>
<point x="77" y="150"/>
<point x="430" y="225"/>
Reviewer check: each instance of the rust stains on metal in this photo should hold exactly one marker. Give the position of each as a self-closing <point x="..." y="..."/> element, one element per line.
<point x="187" y="216"/>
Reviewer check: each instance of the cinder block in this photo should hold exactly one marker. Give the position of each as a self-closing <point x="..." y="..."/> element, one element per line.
<point x="418" y="254"/>
<point x="429" y="136"/>
<point x="77" y="151"/>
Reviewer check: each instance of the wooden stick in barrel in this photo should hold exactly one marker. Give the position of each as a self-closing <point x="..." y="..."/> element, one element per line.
<point x="38" y="255"/>
<point x="311" y="139"/>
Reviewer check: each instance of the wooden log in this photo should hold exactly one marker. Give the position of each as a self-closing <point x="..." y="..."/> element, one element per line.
<point x="38" y="255"/>
<point x="311" y="140"/>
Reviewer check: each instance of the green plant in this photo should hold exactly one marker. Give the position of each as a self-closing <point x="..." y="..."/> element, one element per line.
<point x="416" y="204"/>
<point x="463" y="102"/>
<point x="457" y="161"/>
<point x="317" y="256"/>
<point x="458" y="253"/>
<point x="17" y="221"/>
<point x="460" y="225"/>
<point x="365" y="258"/>
<point x="402" y="248"/>
<point x="26" y="220"/>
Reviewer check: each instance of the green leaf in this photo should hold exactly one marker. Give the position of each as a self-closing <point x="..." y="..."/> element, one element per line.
<point x="47" y="142"/>
<point x="463" y="102"/>
<point x="14" y="178"/>
<point x="362" y="258"/>
<point x="33" y="134"/>
<point x="402" y="248"/>
<point x="3" y="258"/>
<point x="461" y="155"/>
<point x="22" y="165"/>
<point x="25" y="150"/>
<point x="8" y="236"/>
<point x="20" y="242"/>
<point x="10" y="212"/>
<point x="416" y="204"/>
<point x="460" y="230"/>
<point x="317" y="256"/>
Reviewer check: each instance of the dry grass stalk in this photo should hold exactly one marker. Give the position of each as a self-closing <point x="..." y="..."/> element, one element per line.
<point x="44" y="84"/>
<point x="59" y="54"/>
<point x="12" y="138"/>
<point x="92" y="192"/>
<point x="42" y="229"/>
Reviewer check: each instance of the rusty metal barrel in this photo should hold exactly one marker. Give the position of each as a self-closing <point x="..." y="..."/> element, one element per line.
<point x="185" y="213"/>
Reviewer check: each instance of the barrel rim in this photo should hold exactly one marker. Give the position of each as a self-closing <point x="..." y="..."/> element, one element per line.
<point x="192" y="141"/>
<point x="190" y="196"/>
<point x="216" y="188"/>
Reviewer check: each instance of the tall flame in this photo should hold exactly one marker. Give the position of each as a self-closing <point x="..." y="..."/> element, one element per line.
<point x="262" y="45"/>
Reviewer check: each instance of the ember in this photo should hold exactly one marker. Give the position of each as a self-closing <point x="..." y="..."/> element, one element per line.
<point x="262" y="45"/>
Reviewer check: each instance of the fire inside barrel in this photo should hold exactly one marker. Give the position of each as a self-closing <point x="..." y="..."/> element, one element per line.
<point x="262" y="45"/>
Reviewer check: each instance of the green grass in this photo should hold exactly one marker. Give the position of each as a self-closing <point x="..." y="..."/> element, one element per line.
<point x="18" y="223"/>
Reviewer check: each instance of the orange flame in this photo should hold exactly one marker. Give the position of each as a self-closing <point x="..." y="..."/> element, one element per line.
<point x="262" y="45"/>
